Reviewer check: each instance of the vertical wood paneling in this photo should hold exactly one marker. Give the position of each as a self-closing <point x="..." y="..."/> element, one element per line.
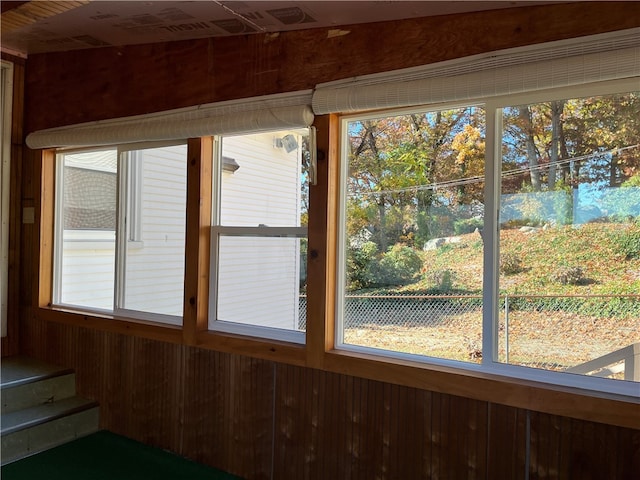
<point x="262" y="420"/>
<point x="368" y="429"/>
<point x="228" y="407"/>
<point x="506" y="442"/>
<point x="114" y="398"/>
<point x="563" y="448"/>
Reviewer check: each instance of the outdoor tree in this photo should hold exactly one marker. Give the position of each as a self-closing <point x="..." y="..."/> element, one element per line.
<point x="401" y="168"/>
<point x="551" y="141"/>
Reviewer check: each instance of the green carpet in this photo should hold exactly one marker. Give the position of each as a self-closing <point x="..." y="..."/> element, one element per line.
<point x="103" y="456"/>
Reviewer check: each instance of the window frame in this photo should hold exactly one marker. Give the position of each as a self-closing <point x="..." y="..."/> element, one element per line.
<point x="490" y="316"/>
<point x="218" y="230"/>
<point x="125" y="237"/>
<point x="6" y="103"/>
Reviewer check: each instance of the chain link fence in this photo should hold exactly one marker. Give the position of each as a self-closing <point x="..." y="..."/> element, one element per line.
<point x="542" y="331"/>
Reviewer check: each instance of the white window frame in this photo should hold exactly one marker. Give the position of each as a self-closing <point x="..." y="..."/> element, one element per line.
<point x="259" y="231"/>
<point x="6" y="77"/>
<point x="129" y="184"/>
<point x="493" y="141"/>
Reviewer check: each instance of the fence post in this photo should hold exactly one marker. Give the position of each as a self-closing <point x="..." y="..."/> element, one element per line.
<point x="506" y="328"/>
<point x="632" y="363"/>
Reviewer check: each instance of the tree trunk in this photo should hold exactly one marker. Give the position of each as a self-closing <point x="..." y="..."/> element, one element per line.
<point x="532" y="154"/>
<point x="556" y="112"/>
<point x="383" y="222"/>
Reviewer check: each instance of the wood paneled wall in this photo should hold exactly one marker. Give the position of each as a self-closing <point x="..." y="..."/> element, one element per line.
<point x="261" y="419"/>
<point x="87" y="85"/>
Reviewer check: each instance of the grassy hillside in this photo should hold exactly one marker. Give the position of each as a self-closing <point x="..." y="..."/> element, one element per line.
<point x="608" y="255"/>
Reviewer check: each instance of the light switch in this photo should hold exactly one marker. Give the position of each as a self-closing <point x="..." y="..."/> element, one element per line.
<point x="28" y="215"/>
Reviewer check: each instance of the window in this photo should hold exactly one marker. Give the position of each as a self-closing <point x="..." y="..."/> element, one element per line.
<point x="120" y="231"/>
<point x="413" y="199"/>
<point x="549" y="283"/>
<point x="259" y="235"/>
<point x="569" y="237"/>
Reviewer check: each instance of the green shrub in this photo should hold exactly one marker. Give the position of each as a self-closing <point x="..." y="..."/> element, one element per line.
<point x="360" y="263"/>
<point x="441" y="279"/>
<point x="568" y="275"/>
<point x="510" y="264"/>
<point x="519" y="222"/>
<point x="467" y="225"/>
<point x="446" y="248"/>
<point x="628" y="242"/>
<point x="399" y="265"/>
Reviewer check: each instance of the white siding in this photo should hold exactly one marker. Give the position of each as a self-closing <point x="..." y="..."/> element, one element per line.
<point x="266" y="187"/>
<point x="258" y="281"/>
<point x="88" y="273"/>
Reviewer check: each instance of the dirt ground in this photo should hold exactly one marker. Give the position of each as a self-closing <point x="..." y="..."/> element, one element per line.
<point x="549" y="340"/>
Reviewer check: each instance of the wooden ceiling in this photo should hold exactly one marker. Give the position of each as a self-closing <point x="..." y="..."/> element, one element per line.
<point x="48" y="26"/>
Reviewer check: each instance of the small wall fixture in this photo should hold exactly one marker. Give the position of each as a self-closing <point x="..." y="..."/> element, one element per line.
<point x="229" y="164"/>
<point x="288" y="142"/>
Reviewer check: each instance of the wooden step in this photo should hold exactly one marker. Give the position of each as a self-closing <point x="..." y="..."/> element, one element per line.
<point x="20" y="370"/>
<point x="40" y="409"/>
<point x="26" y="382"/>
<point x="30" y="417"/>
<point x="48" y="428"/>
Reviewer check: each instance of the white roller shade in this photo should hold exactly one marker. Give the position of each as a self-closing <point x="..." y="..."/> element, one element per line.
<point x="274" y="112"/>
<point x="557" y="64"/>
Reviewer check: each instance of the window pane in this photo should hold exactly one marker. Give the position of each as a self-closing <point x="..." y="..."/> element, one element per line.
<point x="570" y="235"/>
<point x="89" y="208"/>
<point x="259" y="281"/>
<point x="263" y="183"/>
<point x="86" y="266"/>
<point x="413" y="220"/>
<point x="261" y="275"/>
<point x="156" y="210"/>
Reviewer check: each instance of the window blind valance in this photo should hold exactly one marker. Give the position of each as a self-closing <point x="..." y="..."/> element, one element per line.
<point x="234" y="117"/>
<point x="556" y="64"/>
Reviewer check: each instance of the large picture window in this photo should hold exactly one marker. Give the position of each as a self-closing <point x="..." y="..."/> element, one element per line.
<point x="120" y="231"/>
<point x="259" y="235"/>
<point x="497" y="255"/>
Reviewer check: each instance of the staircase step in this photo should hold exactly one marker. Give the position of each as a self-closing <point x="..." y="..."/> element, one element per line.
<point x="27" y="382"/>
<point x="38" y="393"/>
<point x="32" y="430"/>
<point x="20" y="370"/>
<point x="40" y="409"/>
<point x="32" y="416"/>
